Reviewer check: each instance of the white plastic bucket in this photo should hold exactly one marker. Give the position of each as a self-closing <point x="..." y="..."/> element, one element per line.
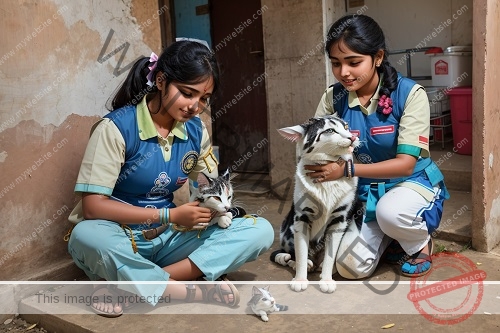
<point x="451" y="69"/>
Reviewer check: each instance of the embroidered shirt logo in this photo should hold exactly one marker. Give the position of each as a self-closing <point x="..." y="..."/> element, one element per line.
<point x="160" y="188"/>
<point x="356" y="133"/>
<point x="189" y="161"/>
<point x="382" y="130"/>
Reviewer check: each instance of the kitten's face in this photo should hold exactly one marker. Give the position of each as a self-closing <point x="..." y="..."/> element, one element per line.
<point x="216" y="193"/>
<point x="265" y="300"/>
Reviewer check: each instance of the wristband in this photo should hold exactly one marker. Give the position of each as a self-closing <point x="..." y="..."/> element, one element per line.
<point x="164" y="214"/>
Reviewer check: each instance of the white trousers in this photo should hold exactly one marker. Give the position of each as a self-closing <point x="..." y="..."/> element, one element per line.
<point x="398" y="217"/>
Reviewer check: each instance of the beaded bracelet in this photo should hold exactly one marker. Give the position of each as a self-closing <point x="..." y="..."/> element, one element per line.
<point x="349" y="169"/>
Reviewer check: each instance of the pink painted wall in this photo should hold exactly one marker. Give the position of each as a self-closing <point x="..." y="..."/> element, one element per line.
<point x="52" y="90"/>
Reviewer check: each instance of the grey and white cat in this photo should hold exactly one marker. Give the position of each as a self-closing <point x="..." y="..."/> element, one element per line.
<point x="216" y="194"/>
<point x="262" y="303"/>
<point x="321" y="211"/>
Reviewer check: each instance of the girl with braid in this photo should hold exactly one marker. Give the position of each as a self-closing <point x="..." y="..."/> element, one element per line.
<point x="401" y="187"/>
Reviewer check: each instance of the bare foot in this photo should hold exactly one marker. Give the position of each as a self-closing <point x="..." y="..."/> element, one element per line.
<point x="104" y="302"/>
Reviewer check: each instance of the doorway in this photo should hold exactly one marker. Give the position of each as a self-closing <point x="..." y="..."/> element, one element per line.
<point x="239" y="113"/>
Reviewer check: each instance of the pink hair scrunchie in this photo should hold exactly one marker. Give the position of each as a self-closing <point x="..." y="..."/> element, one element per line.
<point x="386" y="104"/>
<point x="152" y="59"/>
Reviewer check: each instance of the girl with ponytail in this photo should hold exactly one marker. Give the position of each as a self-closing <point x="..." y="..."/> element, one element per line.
<point x="138" y="155"/>
<point x="402" y="189"/>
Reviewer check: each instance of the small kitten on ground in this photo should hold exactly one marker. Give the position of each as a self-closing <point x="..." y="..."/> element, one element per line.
<point x="262" y="303"/>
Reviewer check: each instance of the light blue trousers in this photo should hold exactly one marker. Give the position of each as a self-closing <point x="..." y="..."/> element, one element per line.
<point x="102" y="249"/>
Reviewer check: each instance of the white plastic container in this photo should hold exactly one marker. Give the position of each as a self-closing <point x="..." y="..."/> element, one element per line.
<point x="453" y="68"/>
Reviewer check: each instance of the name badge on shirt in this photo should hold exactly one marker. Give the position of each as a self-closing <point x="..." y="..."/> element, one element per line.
<point x="382" y="130"/>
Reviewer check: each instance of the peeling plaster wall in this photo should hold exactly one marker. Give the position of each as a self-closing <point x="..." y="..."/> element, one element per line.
<point x="53" y="89"/>
<point x="295" y="63"/>
<point x="486" y="121"/>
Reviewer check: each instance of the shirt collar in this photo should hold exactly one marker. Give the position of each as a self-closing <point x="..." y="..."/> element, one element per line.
<point x="147" y="129"/>
<point x="354" y="100"/>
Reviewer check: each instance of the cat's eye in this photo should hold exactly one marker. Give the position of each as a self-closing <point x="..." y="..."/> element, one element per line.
<point x="330" y="130"/>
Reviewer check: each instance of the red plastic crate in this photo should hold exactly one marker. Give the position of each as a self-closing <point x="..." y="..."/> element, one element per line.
<point x="461" y="119"/>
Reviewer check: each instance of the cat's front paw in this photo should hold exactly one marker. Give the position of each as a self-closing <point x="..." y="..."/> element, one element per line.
<point x="282" y="258"/>
<point x="310" y="265"/>
<point x="327" y="286"/>
<point x="298" y="285"/>
<point x="264" y="317"/>
<point x="225" y="220"/>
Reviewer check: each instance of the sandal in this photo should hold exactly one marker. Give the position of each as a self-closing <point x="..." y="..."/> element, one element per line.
<point x="394" y="254"/>
<point x="109" y="297"/>
<point x="208" y="294"/>
<point x="124" y="295"/>
<point x="413" y="269"/>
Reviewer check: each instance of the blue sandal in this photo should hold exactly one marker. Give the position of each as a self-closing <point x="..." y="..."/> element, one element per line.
<point x="413" y="269"/>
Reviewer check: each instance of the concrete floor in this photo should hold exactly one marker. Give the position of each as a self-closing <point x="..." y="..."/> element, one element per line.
<point x="356" y="306"/>
<point x="353" y="307"/>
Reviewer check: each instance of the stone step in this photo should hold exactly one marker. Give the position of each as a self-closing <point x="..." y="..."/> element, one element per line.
<point x="456" y="220"/>
<point x="456" y="168"/>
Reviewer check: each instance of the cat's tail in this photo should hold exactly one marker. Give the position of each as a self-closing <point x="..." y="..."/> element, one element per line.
<point x="280" y="307"/>
<point x="281" y="257"/>
<point x="237" y="211"/>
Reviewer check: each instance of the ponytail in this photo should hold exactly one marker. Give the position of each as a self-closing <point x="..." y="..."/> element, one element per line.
<point x="183" y="61"/>
<point x="135" y="86"/>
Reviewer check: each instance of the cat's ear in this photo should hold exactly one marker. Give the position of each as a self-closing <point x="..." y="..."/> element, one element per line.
<point x="292" y="133"/>
<point x="266" y="288"/>
<point x="203" y="180"/>
<point x="227" y="174"/>
<point x="256" y="291"/>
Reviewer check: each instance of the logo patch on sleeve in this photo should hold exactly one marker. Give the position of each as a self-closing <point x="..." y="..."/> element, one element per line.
<point x="181" y="180"/>
<point x="382" y="130"/>
<point x="423" y="140"/>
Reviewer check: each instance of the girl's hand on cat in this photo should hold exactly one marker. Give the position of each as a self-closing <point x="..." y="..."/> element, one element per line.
<point x="191" y="215"/>
<point x="325" y="172"/>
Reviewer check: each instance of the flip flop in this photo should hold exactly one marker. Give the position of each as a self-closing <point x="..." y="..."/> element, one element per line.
<point x="104" y="298"/>
<point x="412" y="269"/>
